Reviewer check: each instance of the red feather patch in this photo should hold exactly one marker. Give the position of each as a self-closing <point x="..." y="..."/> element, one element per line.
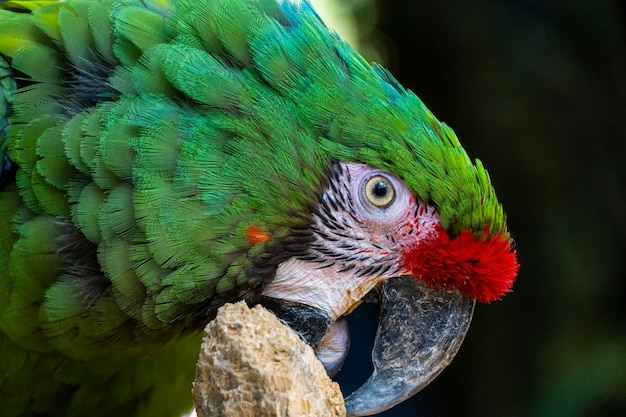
<point x="255" y="235"/>
<point x="481" y="268"/>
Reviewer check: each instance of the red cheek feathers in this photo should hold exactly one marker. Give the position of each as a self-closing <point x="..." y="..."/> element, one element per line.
<point x="481" y="268"/>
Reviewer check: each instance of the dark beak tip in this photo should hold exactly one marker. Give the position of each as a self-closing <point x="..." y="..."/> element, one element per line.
<point x="419" y="332"/>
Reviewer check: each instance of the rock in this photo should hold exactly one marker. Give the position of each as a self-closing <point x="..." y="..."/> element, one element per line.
<point x="252" y="365"/>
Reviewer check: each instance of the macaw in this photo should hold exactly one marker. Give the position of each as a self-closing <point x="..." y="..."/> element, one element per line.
<point x="161" y="158"/>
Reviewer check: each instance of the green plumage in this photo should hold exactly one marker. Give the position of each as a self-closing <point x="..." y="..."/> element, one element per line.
<point x="149" y="136"/>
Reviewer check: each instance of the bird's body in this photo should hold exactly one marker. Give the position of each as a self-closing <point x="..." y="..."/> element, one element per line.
<point x="167" y="157"/>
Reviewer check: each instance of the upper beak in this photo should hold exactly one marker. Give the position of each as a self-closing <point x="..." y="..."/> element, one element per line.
<point x="419" y="332"/>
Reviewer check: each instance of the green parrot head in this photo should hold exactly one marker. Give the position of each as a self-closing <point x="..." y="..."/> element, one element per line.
<point x="382" y="199"/>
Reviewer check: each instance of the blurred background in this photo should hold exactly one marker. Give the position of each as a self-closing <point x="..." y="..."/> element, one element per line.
<point x="537" y="91"/>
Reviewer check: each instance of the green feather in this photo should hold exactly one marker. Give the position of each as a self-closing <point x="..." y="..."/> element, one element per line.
<point x="76" y="36"/>
<point x="85" y="210"/>
<point x="140" y="27"/>
<point x="101" y="29"/>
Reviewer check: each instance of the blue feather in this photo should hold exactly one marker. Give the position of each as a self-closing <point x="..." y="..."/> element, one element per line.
<point x="296" y="13"/>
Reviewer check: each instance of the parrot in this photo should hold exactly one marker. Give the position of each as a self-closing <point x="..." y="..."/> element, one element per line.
<point x="161" y="158"/>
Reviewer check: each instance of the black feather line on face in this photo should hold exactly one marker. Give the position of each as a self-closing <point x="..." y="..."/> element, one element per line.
<point x="334" y="233"/>
<point x="334" y="239"/>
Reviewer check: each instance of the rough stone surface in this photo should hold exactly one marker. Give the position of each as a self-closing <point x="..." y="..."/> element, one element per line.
<point x="252" y="365"/>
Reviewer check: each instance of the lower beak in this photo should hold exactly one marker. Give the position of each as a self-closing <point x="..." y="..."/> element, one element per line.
<point x="419" y="332"/>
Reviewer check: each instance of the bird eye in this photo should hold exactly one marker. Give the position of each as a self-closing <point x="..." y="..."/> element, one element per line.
<point x="379" y="191"/>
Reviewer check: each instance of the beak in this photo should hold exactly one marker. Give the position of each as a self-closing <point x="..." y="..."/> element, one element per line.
<point x="419" y="332"/>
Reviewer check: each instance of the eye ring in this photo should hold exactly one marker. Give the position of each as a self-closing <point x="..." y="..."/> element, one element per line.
<point x="380" y="191"/>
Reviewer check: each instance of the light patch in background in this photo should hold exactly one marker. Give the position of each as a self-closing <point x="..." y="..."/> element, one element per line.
<point x="355" y="22"/>
<point x="338" y="16"/>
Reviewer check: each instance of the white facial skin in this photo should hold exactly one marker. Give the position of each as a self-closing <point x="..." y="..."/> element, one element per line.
<point x="365" y="222"/>
<point x="365" y="219"/>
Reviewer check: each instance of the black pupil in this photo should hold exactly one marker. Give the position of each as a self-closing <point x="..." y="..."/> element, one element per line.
<point x="381" y="189"/>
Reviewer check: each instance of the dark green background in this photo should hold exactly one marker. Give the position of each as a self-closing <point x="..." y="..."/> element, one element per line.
<point x="537" y="91"/>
